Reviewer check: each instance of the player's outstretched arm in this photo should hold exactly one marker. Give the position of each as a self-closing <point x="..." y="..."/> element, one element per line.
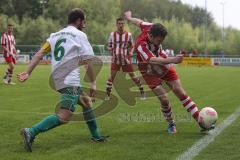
<point x="177" y="59"/>
<point x="93" y="86"/>
<point x="34" y="62"/>
<point x="136" y="21"/>
<point x="91" y="77"/>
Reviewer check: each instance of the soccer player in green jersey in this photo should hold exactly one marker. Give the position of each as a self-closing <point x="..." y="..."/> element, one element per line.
<point x="69" y="47"/>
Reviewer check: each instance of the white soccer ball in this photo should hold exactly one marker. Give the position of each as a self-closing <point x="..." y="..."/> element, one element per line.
<point x="207" y="117"/>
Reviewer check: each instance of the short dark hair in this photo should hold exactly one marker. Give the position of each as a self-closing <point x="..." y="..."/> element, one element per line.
<point x="75" y="14"/>
<point x="158" y="30"/>
<point x="119" y="19"/>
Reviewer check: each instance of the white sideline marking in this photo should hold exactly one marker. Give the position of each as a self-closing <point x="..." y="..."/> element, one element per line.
<point x="196" y="148"/>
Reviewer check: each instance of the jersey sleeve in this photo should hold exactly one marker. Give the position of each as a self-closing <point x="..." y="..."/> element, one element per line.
<point x="46" y="47"/>
<point x="130" y="40"/>
<point x="85" y="46"/>
<point x="145" y="53"/>
<point x="163" y="53"/>
<point x="14" y="42"/>
<point x="3" y="40"/>
<point x="110" y="41"/>
<point x="145" y="25"/>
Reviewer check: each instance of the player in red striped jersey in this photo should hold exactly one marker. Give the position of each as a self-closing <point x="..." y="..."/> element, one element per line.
<point x="120" y="45"/>
<point x="9" y="52"/>
<point x="157" y="68"/>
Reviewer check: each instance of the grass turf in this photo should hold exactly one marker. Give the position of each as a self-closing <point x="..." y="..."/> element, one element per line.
<point x="137" y="132"/>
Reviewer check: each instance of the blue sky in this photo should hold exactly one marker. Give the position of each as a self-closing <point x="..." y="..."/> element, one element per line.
<point x="231" y="11"/>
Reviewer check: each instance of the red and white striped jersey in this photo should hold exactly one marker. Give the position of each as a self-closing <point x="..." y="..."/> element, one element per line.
<point x="145" y="50"/>
<point x="8" y="41"/>
<point x="120" y="44"/>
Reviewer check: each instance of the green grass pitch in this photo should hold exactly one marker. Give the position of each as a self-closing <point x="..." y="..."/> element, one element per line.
<point x="136" y="132"/>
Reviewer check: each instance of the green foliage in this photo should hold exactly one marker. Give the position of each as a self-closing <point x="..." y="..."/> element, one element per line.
<point x="101" y="19"/>
<point x="21" y="8"/>
<point x="6" y="7"/>
<point x="177" y="37"/>
<point x="58" y="10"/>
<point x="151" y="9"/>
<point x="3" y="22"/>
<point x="231" y="41"/>
<point x="35" y="31"/>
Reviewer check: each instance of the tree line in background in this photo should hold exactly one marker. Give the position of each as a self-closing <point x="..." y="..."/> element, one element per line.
<point x="34" y="20"/>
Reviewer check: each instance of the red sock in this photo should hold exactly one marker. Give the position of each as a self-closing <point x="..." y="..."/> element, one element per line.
<point x="109" y="86"/>
<point x="167" y="113"/>
<point x="190" y="106"/>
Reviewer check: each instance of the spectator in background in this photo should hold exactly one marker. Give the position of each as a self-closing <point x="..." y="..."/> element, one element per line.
<point x="193" y="53"/>
<point x="184" y="52"/>
<point x="222" y="54"/>
<point x="9" y="53"/>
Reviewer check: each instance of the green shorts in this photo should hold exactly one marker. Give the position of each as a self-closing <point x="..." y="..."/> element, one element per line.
<point x="70" y="97"/>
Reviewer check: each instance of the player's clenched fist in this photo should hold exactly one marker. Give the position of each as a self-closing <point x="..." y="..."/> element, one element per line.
<point x="177" y="59"/>
<point x="22" y="76"/>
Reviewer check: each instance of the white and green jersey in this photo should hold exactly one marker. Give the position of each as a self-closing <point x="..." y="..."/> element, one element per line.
<point x="67" y="45"/>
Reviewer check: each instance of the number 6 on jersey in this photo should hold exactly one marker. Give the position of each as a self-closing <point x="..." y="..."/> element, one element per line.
<point x="59" y="50"/>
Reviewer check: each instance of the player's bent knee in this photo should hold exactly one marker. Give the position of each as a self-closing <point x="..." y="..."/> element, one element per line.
<point x="64" y="115"/>
<point x="85" y="101"/>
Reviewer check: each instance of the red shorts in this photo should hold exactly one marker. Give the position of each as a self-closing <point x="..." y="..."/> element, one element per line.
<point x="154" y="80"/>
<point x="125" y="68"/>
<point x="10" y="59"/>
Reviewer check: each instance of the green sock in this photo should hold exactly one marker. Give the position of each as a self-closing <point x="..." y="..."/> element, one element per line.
<point x="49" y="122"/>
<point x="91" y="122"/>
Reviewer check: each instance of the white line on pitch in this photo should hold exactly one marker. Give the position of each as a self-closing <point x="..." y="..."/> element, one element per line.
<point x="196" y="148"/>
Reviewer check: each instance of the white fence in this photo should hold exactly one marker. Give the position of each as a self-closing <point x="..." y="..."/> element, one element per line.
<point x="23" y="59"/>
<point x="20" y="59"/>
<point x="226" y="61"/>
